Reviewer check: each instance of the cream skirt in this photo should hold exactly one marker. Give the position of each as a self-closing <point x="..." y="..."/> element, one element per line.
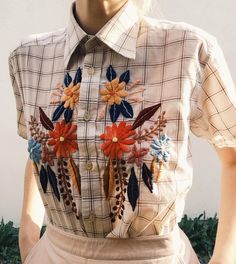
<point x="59" y="247"/>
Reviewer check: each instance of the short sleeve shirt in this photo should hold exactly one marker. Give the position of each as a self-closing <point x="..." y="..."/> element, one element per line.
<point x="108" y="118"/>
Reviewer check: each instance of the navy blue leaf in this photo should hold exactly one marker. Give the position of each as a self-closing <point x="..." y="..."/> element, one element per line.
<point x="126" y="109"/>
<point x="68" y="114"/>
<point x="147" y="177"/>
<point x="132" y="189"/>
<point x="67" y="79"/>
<point x="115" y="110"/>
<point x="53" y="181"/>
<point x="124" y="77"/>
<point x="77" y="78"/>
<point x="43" y="178"/>
<point x="111" y="74"/>
<point x="58" y="111"/>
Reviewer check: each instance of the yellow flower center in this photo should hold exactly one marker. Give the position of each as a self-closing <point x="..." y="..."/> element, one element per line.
<point x="114" y="139"/>
<point x="62" y="139"/>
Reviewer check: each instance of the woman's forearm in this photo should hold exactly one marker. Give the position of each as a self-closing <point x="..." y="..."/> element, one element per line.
<point x="32" y="213"/>
<point x="225" y="251"/>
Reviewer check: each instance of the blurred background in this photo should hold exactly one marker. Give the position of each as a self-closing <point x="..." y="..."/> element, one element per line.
<point x="21" y="18"/>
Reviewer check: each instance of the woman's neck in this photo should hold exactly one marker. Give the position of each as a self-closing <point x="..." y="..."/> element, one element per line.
<point x="92" y="15"/>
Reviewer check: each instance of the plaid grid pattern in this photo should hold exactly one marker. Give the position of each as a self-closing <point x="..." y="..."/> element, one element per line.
<point x="178" y="64"/>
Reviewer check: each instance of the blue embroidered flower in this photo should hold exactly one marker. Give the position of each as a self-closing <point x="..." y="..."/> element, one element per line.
<point x="160" y="148"/>
<point x="34" y="149"/>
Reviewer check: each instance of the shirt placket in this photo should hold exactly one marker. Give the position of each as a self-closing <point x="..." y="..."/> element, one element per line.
<point x="91" y="192"/>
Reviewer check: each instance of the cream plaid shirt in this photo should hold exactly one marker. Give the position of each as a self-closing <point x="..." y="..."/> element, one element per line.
<point x="108" y="118"/>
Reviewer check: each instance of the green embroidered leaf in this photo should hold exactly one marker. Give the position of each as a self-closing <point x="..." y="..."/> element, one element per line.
<point x="145" y="114"/>
<point x="46" y="122"/>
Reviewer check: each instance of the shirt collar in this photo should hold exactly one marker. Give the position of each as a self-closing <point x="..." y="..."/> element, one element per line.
<point x="119" y="33"/>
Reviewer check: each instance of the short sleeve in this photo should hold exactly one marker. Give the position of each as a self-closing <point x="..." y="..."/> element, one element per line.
<point x="21" y="124"/>
<point x="216" y="100"/>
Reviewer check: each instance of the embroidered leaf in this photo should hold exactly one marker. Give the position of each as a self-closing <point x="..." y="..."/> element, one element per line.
<point x="144" y="115"/>
<point x="53" y="181"/>
<point x="74" y="174"/>
<point x="115" y="110"/>
<point x="43" y="178"/>
<point x="46" y="122"/>
<point x="67" y="79"/>
<point x="77" y="78"/>
<point x="111" y="74"/>
<point x="106" y="179"/>
<point x="125" y="76"/>
<point x="58" y="111"/>
<point x="147" y="177"/>
<point x="126" y="109"/>
<point x="68" y="114"/>
<point x="133" y="190"/>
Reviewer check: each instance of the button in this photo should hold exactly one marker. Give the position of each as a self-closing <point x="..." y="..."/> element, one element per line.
<point x="91" y="70"/>
<point x="86" y="116"/>
<point x="89" y="165"/>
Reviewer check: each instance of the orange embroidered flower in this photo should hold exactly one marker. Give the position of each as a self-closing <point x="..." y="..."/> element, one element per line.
<point x="113" y="92"/>
<point x="71" y="95"/>
<point x="63" y="138"/>
<point x="117" y="140"/>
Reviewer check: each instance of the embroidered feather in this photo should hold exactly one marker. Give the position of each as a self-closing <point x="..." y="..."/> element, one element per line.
<point x="46" y="122"/>
<point x="74" y="174"/>
<point x="144" y="115"/>
<point x="133" y="189"/>
<point x="106" y="179"/>
<point x="111" y="179"/>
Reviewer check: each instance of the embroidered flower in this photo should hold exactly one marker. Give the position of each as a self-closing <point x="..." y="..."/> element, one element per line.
<point x="71" y="95"/>
<point x="136" y="155"/>
<point x="69" y="98"/>
<point x="63" y="138"/>
<point x="117" y="140"/>
<point x="160" y="148"/>
<point x="113" y="92"/>
<point x="34" y="149"/>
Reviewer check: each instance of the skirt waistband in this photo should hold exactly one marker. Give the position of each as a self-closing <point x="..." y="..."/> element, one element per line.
<point x="148" y="247"/>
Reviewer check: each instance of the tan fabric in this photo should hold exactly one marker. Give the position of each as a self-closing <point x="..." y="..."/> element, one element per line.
<point x="59" y="247"/>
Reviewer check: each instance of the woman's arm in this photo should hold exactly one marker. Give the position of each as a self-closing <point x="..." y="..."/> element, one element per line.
<point x="225" y="250"/>
<point x="32" y="213"/>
